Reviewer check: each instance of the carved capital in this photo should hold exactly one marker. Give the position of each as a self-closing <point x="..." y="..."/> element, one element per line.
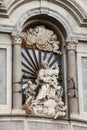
<point x="17" y="38"/>
<point x="71" y="45"/>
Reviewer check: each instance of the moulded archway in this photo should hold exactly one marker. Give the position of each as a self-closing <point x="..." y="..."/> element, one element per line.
<point x="37" y="49"/>
<point x="58" y="24"/>
<point x="51" y="24"/>
<point x="53" y="17"/>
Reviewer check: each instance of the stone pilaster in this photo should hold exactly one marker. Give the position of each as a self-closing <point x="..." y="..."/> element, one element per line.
<point x="17" y="97"/>
<point x="72" y="77"/>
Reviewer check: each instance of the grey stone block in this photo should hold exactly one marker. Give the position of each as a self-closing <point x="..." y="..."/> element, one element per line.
<point x="46" y="126"/>
<point x="84" y="75"/>
<point x="79" y="128"/>
<point x="11" y="125"/>
<point x="2" y="76"/>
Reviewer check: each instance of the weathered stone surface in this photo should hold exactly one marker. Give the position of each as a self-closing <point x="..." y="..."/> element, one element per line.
<point x="46" y="126"/>
<point x="72" y="76"/>
<point x="84" y="75"/>
<point x="79" y="128"/>
<point x="2" y="76"/>
<point x="11" y="125"/>
<point x="17" y="97"/>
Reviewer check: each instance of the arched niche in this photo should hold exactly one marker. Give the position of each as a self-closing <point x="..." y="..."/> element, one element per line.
<point x="49" y="22"/>
<point x="34" y="55"/>
<point x="62" y="32"/>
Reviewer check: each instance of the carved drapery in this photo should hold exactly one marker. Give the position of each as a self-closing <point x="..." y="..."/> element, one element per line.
<point x="48" y="101"/>
<point x="72" y="76"/>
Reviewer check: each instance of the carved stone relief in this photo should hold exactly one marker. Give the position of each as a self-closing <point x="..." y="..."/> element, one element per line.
<point x="43" y="38"/>
<point x="44" y="97"/>
<point x="71" y="45"/>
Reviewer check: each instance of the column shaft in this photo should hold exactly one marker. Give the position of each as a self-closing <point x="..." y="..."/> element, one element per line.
<point x="17" y="97"/>
<point x="72" y="77"/>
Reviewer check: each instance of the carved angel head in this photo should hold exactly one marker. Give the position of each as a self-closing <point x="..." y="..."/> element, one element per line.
<point x="45" y="64"/>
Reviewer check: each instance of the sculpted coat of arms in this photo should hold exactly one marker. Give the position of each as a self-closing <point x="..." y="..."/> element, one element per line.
<point x="43" y="38"/>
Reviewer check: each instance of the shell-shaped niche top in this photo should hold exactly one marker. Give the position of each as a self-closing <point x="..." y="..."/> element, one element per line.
<point x="43" y="38"/>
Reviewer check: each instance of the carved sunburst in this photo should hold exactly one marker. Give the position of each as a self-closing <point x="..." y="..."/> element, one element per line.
<point x="32" y="60"/>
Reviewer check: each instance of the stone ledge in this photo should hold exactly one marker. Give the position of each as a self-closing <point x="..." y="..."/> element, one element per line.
<point x="18" y="112"/>
<point x="76" y="117"/>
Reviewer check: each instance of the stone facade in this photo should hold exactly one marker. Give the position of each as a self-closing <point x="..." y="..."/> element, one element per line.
<point x="57" y="27"/>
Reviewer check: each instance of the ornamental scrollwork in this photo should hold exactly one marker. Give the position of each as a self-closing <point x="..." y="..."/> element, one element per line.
<point x="43" y="38"/>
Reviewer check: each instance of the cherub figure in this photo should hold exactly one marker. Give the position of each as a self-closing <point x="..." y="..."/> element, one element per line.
<point x="30" y="92"/>
<point x="55" y="43"/>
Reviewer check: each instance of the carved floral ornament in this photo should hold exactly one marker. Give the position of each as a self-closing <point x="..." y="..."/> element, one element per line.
<point x="42" y="38"/>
